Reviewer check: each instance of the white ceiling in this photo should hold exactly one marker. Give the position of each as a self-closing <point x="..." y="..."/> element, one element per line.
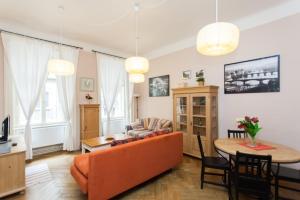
<point x="110" y="23"/>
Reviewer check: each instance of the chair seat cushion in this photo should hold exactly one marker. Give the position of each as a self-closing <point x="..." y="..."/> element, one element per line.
<point x="286" y="173"/>
<point x="216" y="162"/>
<point x="81" y="162"/>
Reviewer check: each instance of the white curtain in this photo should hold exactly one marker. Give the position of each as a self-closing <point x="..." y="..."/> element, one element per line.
<point x="67" y="96"/>
<point x="128" y="100"/>
<point x="27" y="61"/>
<point x="110" y="72"/>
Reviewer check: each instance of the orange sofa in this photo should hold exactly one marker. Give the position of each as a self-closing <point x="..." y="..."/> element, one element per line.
<point x="106" y="173"/>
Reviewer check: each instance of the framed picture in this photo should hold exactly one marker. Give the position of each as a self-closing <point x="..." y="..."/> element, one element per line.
<point x="87" y="84"/>
<point x="187" y="74"/>
<point x="159" y="86"/>
<point x="253" y="76"/>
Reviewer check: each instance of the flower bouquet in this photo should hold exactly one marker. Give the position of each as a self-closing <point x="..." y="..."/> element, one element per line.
<point x="251" y="127"/>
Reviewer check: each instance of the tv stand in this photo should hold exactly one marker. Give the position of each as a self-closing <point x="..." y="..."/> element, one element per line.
<point x="12" y="168"/>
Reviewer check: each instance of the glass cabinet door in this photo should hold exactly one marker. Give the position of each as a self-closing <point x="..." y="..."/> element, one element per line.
<point x="181" y="113"/>
<point x="199" y="114"/>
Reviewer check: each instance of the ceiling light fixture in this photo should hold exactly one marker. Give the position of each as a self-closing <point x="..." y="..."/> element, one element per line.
<point x="136" y="66"/>
<point x="60" y="67"/>
<point x="219" y="38"/>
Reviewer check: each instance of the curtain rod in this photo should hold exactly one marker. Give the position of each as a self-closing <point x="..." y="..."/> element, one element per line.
<point x="1" y="30"/>
<point x="107" y="54"/>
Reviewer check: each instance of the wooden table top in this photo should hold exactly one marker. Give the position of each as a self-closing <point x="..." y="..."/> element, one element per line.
<point x="280" y="154"/>
<point x="103" y="140"/>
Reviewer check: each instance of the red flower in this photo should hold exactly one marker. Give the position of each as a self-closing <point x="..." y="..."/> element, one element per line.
<point x="247" y="119"/>
<point x="254" y="119"/>
<point x="241" y="126"/>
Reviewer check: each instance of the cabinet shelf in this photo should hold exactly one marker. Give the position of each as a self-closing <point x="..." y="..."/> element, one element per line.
<point x="196" y="112"/>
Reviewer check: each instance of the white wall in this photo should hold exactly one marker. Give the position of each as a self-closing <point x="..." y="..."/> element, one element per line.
<point x="278" y="112"/>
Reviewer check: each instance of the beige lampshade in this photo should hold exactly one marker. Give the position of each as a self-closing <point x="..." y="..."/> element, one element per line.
<point x="137" y="65"/>
<point x="60" y="67"/>
<point x="217" y="39"/>
<point x="136" y="78"/>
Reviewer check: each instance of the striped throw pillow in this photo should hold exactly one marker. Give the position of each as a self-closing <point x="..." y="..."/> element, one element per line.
<point x="146" y="123"/>
<point x="152" y="123"/>
<point x="167" y="124"/>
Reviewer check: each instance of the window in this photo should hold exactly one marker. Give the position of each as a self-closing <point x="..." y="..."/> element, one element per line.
<point x="48" y="109"/>
<point x="118" y="110"/>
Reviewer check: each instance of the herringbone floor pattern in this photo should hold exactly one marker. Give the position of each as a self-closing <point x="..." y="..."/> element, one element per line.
<point x="181" y="183"/>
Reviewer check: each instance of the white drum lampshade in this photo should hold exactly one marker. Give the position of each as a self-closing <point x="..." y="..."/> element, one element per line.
<point x="60" y="67"/>
<point x="136" y="78"/>
<point x="137" y="65"/>
<point x="217" y="39"/>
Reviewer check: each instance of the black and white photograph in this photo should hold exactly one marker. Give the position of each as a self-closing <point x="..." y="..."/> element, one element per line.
<point x="159" y="86"/>
<point x="253" y="76"/>
<point x="186" y="74"/>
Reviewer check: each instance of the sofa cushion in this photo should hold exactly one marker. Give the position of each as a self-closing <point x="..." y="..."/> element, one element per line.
<point x="136" y="125"/>
<point x="152" y="123"/>
<point x="81" y="162"/>
<point x="145" y="123"/>
<point x="167" y="124"/>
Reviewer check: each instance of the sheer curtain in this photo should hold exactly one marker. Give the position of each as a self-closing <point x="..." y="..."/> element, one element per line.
<point x="67" y="96"/>
<point x="128" y="100"/>
<point x="110" y="72"/>
<point x="26" y="59"/>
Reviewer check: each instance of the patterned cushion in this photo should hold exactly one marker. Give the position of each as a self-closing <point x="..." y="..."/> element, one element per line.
<point x="119" y="142"/>
<point x="146" y="123"/>
<point x="160" y="123"/>
<point x="136" y="125"/>
<point x="166" y="124"/>
<point x="152" y="124"/>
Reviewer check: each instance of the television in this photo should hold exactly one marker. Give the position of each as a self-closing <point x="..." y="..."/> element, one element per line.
<point x="5" y="130"/>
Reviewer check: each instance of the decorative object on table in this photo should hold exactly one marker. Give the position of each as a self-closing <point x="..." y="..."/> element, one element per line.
<point x="200" y="77"/>
<point x="87" y="84"/>
<point x="253" y="76"/>
<point x="219" y="38"/>
<point x="89" y="98"/>
<point x="159" y="86"/>
<point x="187" y="74"/>
<point x="251" y="127"/>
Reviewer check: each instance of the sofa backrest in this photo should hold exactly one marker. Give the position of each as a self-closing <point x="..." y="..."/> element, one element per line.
<point x="120" y="168"/>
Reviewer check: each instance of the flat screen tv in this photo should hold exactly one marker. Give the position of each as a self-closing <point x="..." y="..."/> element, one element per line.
<point x="5" y="130"/>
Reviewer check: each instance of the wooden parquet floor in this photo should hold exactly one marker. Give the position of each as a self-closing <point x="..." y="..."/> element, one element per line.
<point x="182" y="183"/>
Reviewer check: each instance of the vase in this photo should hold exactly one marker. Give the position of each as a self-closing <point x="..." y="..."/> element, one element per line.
<point x="201" y="83"/>
<point x="252" y="142"/>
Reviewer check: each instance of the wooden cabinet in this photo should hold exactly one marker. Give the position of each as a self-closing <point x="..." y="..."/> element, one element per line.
<point x="89" y="121"/>
<point x="195" y="111"/>
<point x="12" y="169"/>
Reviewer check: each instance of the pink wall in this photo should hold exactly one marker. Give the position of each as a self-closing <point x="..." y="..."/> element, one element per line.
<point x="1" y="81"/>
<point x="87" y="68"/>
<point x="279" y="112"/>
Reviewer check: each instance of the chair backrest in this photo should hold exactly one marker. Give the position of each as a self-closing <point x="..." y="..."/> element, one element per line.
<point x="236" y="134"/>
<point x="253" y="169"/>
<point x="200" y="146"/>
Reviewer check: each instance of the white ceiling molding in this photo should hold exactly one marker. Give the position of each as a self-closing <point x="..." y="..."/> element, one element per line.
<point x="269" y="15"/>
<point x="20" y="29"/>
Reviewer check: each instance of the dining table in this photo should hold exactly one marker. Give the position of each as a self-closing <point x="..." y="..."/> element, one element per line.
<point x="281" y="154"/>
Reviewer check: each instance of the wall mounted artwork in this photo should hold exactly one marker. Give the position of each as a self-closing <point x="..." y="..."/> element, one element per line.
<point x="253" y="76"/>
<point x="159" y="86"/>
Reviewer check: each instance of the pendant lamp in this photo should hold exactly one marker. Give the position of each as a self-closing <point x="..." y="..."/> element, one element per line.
<point x="219" y="38"/>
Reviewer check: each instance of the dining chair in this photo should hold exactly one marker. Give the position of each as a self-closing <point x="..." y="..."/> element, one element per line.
<point x="286" y="174"/>
<point x="250" y="174"/>
<point x="236" y="134"/>
<point x="219" y="163"/>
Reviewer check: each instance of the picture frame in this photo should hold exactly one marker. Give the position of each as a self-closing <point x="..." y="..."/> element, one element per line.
<point x="86" y="84"/>
<point x="187" y="74"/>
<point x="258" y="75"/>
<point x="159" y="86"/>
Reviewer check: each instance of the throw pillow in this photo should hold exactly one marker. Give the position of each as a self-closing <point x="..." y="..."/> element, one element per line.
<point x="146" y="123"/>
<point x="167" y="124"/>
<point x="152" y="123"/>
<point x="136" y="125"/>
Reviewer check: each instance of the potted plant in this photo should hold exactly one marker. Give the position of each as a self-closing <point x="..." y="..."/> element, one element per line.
<point x="251" y="127"/>
<point x="200" y="77"/>
<point x="89" y="98"/>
